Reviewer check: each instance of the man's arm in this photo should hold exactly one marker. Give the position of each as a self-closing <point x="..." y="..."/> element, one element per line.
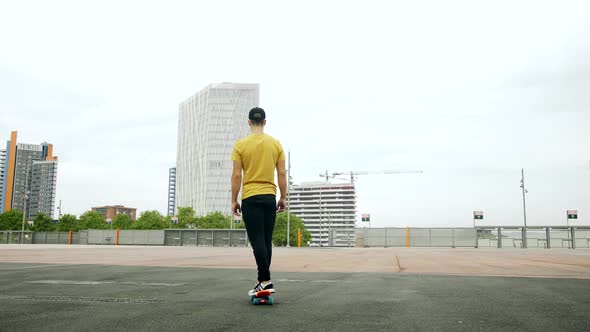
<point x="282" y="178"/>
<point x="236" y="184"/>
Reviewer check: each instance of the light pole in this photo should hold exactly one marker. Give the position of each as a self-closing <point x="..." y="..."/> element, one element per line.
<point x="324" y="207"/>
<point x="26" y="193"/>
<point x="288" y="195"/>
<point x="233" y="219"/>
<point x="524" y="192"/>
<point x="567" y="222"/>
<point x="330" y="235"/>
<point x="59" y="209"/>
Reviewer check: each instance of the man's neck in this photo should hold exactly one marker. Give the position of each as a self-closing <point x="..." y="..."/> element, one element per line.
<point x="257" y="130"/>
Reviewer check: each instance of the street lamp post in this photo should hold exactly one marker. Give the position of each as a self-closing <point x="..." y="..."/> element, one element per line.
<point x="231" y="222"/>
<point x="330" y="235"/>
<point x="25" y="196"/>
<point x="524" y="192"/>
<point x="324" y="207"/>
<point x="288" y="195"/>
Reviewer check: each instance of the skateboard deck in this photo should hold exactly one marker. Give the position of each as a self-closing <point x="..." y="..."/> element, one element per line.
<point x="262" y="297"/>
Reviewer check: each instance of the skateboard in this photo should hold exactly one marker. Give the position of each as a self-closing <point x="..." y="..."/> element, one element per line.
<point x="262" y="297"/>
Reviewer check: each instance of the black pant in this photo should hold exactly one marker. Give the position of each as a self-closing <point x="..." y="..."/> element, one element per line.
<point x="259" y="214"/>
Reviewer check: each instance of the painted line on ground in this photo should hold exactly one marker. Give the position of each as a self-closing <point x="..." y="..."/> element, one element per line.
<point x="95" y="283"/>
<point x="308" y="280"/>
<point x="77" y="299"/>
<point x="29" y="267"/>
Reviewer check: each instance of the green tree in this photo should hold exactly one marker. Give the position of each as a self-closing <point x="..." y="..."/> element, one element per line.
<point x="486" y="234"/>
<point x="186" y="217"/>
<point x="279" y="236"/>
<point x="122" y="221"/>
<point x="67" y="223"/>
<point x="151" y="220"/>
<point x="42" y="223"/>
<point x="12" y="221"/>
<point x="214" y="220"/>
<point x="92" y="220"/>
<point x="239" y="224"/>
<point x="168" y="221"/>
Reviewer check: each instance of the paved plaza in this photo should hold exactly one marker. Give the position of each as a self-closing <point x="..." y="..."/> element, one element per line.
<point x="204" y="288"/>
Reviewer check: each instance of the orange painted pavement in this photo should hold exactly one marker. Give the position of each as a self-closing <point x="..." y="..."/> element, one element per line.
<point x="539" y="263"/>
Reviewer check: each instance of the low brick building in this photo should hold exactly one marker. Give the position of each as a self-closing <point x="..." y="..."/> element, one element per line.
<point x="109" y="212"/>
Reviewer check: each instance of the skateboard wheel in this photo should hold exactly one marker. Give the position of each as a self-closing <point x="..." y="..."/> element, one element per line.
<point x="270" y="300"/>
<point x="255" y="300"/>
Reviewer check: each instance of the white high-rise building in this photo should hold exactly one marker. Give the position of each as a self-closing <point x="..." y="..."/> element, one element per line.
<point x="328" y="211"/>
<point x="209" y="124"/>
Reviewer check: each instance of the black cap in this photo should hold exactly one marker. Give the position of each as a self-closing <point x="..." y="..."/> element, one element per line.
<point x="257" y="114"/>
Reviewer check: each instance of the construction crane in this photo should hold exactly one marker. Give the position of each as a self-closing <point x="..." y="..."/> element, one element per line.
<point x="353" y="174"/>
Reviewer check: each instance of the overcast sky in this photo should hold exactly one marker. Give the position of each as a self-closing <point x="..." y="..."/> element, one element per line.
<point x="469" y="92"/>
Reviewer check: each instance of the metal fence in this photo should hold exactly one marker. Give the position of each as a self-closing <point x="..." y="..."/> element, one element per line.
<point x="28" y="237"/>
<point x="126" y="237"/>
<point x="480" y="237"/>
<point x="15" y="237"/>
<point x="206" y="237"/>
<point x="55" y="238"/>
<point x="342" y="237"/>
<point x="534" y="237"/>
<point x="168" y="237"/>
<point x="495" y="237"/>
<point x="419" y="237"/>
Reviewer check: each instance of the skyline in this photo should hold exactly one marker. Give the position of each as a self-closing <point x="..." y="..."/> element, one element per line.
<point x="28" y="178"/>
<point x="470" y="94"/>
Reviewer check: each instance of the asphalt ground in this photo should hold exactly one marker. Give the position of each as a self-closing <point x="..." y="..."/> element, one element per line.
<point x="54" y="297"/>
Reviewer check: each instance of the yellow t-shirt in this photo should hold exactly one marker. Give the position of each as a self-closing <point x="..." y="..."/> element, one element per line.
<point x="259" y="154"/>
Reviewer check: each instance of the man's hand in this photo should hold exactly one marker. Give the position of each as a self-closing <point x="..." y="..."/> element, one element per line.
<point x="235" y="209"/>
<point x="281" y="205"/>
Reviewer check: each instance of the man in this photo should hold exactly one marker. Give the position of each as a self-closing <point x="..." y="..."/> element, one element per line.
<point x="257" y="156"/>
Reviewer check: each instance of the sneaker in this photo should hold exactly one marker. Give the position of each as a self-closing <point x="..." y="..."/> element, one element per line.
<point x="259" y="287"/>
